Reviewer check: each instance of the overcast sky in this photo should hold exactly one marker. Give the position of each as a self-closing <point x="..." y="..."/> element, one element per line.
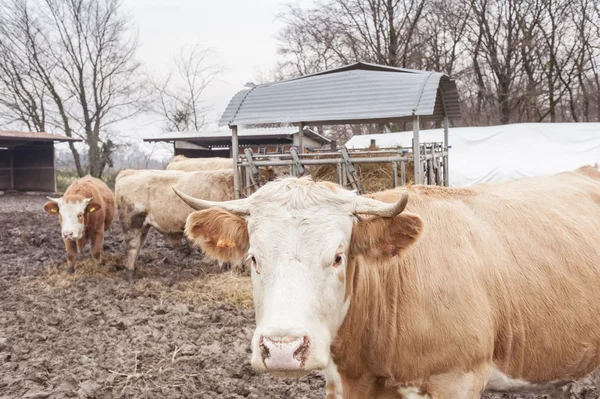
<point x="242" y="33"/>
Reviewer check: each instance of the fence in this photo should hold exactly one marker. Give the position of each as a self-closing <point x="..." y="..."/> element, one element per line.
<point x="433" y="171"/>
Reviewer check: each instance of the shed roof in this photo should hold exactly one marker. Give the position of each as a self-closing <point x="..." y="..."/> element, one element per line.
<point x="246" y="137"/>
<point x="10" y="138"/>
<point x="356" y="93"/>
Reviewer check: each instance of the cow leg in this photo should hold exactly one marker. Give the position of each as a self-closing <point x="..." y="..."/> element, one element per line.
<point x="71" y="248"/>
<point x="456" y="385"/>
<point x="80" y="246"/>
<point x="333" y="388"/>
<point x="134" y="239"/>
<point x="175" y="239"/>
<point x="97" y="241"/>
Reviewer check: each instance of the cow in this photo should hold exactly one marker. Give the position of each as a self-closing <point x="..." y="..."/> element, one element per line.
<point x="145" y="200"/>
<point x="464" y="291"/>
<point x="181" y="162"/>
<point x="85" y="212"/>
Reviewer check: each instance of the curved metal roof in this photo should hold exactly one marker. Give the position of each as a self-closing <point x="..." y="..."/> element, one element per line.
<point x="357" y="93"/>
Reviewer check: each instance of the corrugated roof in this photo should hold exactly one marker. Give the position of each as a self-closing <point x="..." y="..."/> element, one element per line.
<point x="34" y="136"/>
<point x="354" y="93"/>
<point x="210" y="136"/>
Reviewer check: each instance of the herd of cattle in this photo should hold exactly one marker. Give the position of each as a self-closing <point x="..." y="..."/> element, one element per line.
<point x="417" y="292"/>
<point x="143" y="199"/>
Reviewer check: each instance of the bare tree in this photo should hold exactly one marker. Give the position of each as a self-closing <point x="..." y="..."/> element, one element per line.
<point x="179" y="94"/>
<point x="515" y="60"/>
<point x="337" y="32"/>
<point x="70" y="67"/>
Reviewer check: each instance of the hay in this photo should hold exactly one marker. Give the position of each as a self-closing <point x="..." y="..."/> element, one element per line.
<point x="227" y="287"/>
<point x="373" y="177"/>
<point x="230" y="287"/>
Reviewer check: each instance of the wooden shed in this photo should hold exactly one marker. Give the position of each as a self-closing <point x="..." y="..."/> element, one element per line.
<point x="270" y="140"/>
<point x="27" y="160"/>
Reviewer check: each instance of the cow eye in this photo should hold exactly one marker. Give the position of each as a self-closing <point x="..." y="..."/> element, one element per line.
<point x="255" y="265"/>
<point x="338" y="260"/>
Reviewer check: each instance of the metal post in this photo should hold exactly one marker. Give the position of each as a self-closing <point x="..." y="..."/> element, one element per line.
<point x="416" y="150"/>
<point x="234" y="155"/>
<point x="394" y="175"/>
<point x="339" y="173"/>
<point x="446" y="169"/>
<point x="430" y="167"/>
<point x="403" y="173"/>
<point x="300" y="135"/>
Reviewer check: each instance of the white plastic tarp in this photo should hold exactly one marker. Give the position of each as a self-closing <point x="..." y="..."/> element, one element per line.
<point x="497" y="153"/>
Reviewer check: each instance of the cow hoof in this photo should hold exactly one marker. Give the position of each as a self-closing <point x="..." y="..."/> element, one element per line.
<point x="71" y="269"/>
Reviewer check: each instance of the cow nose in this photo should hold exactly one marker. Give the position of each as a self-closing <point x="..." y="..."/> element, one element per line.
<point x="67" y="234"/>
<point x="284" y="353"/>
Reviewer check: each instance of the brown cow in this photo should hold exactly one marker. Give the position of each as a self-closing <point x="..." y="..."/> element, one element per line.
<point x="85" y="212"/>
<point x="493" y="288"/>
<point x="145" y="199"/>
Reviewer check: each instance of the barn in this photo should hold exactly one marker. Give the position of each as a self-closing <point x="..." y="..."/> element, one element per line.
<point x="27" y="160"/>
<point x="217" y="143"/>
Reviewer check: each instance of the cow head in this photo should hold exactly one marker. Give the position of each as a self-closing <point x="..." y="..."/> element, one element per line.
<point x="72" y="214"/>
<point x="302" y="240"/>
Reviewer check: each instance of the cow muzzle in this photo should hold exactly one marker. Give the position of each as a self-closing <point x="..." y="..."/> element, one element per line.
<point x="68" y="235"/>
<point x="284" y="354"/>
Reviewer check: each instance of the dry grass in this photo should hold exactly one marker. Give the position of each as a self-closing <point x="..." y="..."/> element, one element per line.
<point x="229" y="287"/>
<point x="374" y="177"/>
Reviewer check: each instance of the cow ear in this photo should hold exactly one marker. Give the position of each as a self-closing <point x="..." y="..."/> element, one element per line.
<point x="51" y="207"/>
<point x="383" y="237"/>
<point x="220" y="234"/>
<point x="92" y="207"/>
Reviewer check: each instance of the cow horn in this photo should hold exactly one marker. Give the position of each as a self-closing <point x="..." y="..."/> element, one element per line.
<point x="57" y="200"/>
<point x="237" y="206"/>
<point x="369" y="206"/>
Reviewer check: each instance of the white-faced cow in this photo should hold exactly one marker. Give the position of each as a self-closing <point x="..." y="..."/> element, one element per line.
<point x="494" y="288"/>
<point x="85" y="212"/>
<point x="145" y="200"/>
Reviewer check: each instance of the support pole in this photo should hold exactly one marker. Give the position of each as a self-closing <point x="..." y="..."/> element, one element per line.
<point x="446" y="149"/>
<point x="299" y="138"/>
<point x="234" y="155"/>
<point x="394" y="175"/>
<point x="403" y="173"/>
<point x="416" y="150"/>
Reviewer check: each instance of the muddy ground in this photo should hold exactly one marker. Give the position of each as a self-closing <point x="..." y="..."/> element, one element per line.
<point x="182" y="331"/>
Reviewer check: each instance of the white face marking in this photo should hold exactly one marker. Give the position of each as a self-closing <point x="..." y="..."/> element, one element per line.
<point x="300" y="288"/>
<point x="412" y="393"/>
<point x="72" y="216"/>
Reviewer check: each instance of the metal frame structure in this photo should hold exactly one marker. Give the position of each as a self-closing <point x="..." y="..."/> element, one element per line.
<point x="360" y="93"/>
